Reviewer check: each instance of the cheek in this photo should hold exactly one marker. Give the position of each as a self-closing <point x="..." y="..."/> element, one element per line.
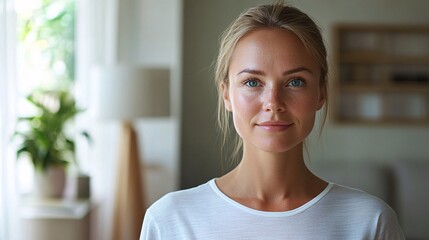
<point x="310" y="100"/>
<point x="243" y="102"/>
<point x="309" y="108"/>
<point x="305" y="107"/>
<point x="244" y="108"/>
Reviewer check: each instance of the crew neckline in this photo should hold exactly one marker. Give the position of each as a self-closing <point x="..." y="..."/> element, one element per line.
<point x="292" y="212"/>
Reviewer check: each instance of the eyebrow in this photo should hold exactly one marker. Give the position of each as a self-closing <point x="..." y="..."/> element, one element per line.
<point x="262" y="73"/>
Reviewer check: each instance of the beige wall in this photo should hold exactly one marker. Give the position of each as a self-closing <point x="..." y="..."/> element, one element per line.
<point x="203" y="22"/>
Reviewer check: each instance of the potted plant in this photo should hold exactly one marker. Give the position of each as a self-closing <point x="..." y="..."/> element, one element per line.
<point x="43" y="138"/>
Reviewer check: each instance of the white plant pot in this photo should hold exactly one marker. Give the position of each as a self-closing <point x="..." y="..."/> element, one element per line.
<point x="51" y="183"/>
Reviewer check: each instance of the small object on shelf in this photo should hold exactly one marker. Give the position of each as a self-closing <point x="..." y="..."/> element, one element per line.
<point x="410" y="78"/>
<point x="382" y="74"/>
<point x="83" y="190"/>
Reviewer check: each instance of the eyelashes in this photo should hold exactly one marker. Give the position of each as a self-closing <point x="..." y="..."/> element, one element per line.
<point x="294" y="82"/>
<point x="252" y="82"/>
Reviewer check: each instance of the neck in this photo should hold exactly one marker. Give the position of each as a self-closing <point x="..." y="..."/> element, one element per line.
<point x="272" y="176"/>
<point x="273" y="173"/>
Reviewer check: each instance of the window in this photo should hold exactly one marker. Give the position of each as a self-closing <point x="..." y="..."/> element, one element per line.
<point x="45" y="57"/>
<point x="36" y="51"/>
<point x="45" y="43"/>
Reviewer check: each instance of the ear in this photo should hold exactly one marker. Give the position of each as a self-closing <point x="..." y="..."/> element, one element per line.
<point x="225" y="96"/>
<point x="322" y="97"/>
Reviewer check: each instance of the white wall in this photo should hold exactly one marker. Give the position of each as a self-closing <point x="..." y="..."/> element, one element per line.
<point x="154" y="39"/>
<point x="146" y="33"/>
<point x="137" y="32"/>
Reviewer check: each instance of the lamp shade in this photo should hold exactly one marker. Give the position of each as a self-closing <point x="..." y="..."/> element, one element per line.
<point x="129" y="92"/>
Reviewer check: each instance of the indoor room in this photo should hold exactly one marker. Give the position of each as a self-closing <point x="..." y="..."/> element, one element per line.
<point x="108" y="105"/>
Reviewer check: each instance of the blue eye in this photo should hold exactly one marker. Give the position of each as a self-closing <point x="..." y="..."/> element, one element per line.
<point x="252" y="83"/>
<point x="296" y="83"/>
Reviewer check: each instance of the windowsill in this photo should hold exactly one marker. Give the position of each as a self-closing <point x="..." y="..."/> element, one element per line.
<point x="34" y="208"/>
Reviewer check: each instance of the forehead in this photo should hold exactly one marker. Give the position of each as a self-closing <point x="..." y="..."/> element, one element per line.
<point x="271" y="48"/>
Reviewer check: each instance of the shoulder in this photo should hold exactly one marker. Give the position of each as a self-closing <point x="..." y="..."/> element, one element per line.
<point x="181" y="200"/>
<point x="358" y="199"/>
<point x="175" y="212"/>
<point x="357" y="205"/>
<point x="364" y="209"/>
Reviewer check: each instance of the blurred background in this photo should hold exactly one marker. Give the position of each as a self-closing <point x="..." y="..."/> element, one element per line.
<point x="376" y="137"/>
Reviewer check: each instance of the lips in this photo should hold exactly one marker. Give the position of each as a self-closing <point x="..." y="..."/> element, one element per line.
<point x="274" y="126"/>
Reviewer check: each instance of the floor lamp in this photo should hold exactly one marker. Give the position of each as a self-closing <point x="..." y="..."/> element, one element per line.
<point x="128" y="93"/>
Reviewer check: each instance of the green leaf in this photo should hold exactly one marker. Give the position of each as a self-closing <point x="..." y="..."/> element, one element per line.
<point x="46" y="142"/>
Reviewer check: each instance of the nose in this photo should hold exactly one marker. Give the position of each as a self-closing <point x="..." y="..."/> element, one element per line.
<point x="274" y="100"/>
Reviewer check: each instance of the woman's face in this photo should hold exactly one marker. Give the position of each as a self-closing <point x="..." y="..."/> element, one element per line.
<point x="274" y="91"/>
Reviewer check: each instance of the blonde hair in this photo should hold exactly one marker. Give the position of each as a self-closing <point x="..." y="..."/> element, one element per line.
<point x="277" y="15"/>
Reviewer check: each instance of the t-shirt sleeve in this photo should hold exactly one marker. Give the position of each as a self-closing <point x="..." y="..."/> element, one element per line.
<point x="388" y="227"/>
<point x="149" y="229"/>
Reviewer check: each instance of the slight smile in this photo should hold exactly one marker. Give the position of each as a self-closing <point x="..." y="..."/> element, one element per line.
<point x="274" y="126"/>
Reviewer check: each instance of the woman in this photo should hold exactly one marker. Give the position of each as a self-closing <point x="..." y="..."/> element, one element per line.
<point x="271" y="73"/>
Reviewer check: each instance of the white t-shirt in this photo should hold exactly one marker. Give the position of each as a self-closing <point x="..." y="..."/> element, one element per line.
<point x="204" y="212"/>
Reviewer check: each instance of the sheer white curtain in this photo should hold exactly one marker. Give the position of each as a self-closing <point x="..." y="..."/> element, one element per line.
<point x="96" y="39"/>
<point x="8" y="195"/>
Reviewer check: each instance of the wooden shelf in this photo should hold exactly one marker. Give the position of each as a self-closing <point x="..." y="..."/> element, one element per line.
<point x="382" y="74"/>
<point x="381" y="58"/>
<point x="383" y="28"/>
<point x="384" y="121"/>
<point x="390" y="88"/>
